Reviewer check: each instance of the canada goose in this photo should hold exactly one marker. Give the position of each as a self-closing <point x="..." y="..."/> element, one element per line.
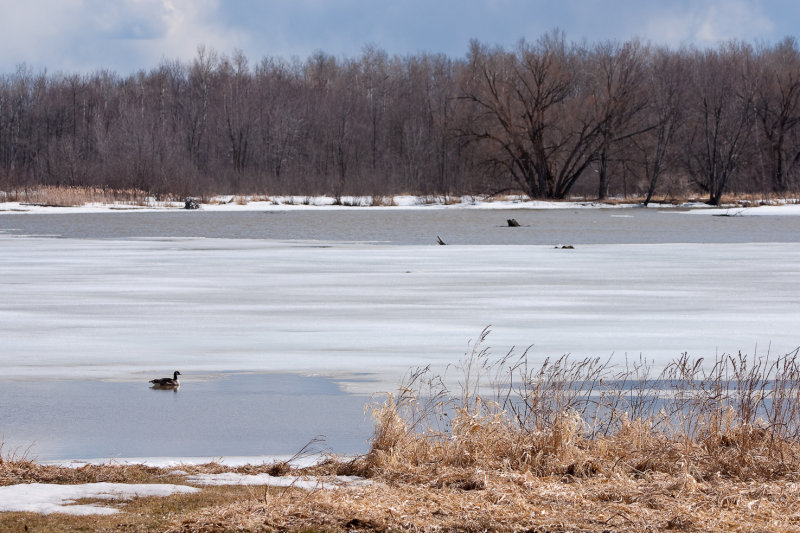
<point x="167" y="383"/>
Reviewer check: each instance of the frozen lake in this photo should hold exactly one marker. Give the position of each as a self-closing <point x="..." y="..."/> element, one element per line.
<point x="317" y="316"/>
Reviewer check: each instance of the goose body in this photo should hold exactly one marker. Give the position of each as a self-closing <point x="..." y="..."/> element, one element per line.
<point x="167" y="383"/>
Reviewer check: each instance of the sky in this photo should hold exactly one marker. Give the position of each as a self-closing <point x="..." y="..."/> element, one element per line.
<point x="129" y="35"/>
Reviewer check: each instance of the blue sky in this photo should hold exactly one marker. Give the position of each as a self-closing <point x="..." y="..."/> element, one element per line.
<point x="127" y="35"/>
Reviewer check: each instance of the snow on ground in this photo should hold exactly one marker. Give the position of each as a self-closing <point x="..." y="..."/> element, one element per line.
<point x="47" y="498"/>
<point x="288" y="203"/>
<point x="300" y="482"/>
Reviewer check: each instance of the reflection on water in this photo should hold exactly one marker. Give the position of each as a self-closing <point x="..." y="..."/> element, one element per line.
<point x="238" y="415"/>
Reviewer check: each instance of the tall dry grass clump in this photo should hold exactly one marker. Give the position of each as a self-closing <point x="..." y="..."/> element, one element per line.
<point x="507" y="445"/>
<point x="58" y="196"/>
<point x="735" y="416"/>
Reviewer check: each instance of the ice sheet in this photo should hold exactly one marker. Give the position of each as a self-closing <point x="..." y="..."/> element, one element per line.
<point x="106" y="309"/>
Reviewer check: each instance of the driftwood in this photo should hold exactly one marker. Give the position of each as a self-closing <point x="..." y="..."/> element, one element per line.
<point x="440" y="241"/>
<point x="512" y="223"/>
<point x="191" y="203"/>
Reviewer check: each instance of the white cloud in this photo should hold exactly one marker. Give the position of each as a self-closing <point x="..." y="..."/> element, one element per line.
<point x="123" y="35"/>
<point x="707" y="23"/>
<point x="732" y="19"/>
<point x="190" y="23"/>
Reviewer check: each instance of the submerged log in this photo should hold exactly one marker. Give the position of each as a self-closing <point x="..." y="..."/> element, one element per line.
<point x="512" y="223"/>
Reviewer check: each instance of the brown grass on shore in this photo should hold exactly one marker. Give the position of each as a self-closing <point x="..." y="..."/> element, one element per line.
<point x="564" y="446"/>
<point x="77" y="196"/>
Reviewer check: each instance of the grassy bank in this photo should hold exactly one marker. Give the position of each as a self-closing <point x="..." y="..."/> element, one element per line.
<point x="558" y="446"/>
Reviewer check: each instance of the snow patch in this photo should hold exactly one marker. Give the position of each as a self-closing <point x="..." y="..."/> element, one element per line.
<point x="46" y="498"/>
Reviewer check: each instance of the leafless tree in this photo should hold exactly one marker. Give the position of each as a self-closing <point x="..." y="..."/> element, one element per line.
<point x="544" y="118"/>
<point x="720" y="114"/>
<point x="777" y="104"/>
<point x="531" y="108"/>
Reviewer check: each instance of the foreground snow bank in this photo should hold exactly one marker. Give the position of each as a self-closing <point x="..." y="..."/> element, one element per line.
<point x="48" y="498"/>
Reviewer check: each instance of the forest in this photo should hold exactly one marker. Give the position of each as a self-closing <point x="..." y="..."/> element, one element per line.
<point x="550" y="119"/>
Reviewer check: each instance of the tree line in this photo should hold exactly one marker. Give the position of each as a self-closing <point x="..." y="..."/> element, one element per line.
<point x="550" y="118"/>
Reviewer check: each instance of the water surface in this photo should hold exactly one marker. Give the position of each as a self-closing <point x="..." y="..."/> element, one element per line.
<point x="418" y="226"/>
<point x="232" y="415"/>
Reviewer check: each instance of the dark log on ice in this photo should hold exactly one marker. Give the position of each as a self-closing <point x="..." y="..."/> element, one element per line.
<point x="512" y="223"/>
<point x="191" y="203"/>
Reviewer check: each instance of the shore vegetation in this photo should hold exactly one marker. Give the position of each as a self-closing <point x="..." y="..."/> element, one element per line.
<point x="559" y="445"/>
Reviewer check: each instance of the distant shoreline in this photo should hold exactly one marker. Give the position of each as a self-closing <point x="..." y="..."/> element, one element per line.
<point x="233" y="203"/>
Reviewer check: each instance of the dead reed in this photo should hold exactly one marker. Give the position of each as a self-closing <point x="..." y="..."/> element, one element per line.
<point x="564" y="445"/>
<point x="78" y="196"/>
<point x="735" y="416"/>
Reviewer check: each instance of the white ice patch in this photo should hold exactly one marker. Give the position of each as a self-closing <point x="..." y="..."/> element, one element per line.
<point x="764" y="210"/>
<point x="49" y="498"/>
<point x="300" y="482"/>
<point x="118" y="309"/>
<point x="180" y="462"/>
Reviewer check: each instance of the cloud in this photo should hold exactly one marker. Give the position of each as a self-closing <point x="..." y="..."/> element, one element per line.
<point x="125" y="35"/>
<point x="707" y="23"/>
<point x="733" y="19"/>
<point x="84" y="35"/>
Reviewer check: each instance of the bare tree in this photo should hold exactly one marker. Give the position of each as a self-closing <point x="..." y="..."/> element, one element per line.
<point x="541" y="118"/>
<point x="721" y="115"/>
<point x="531" y="108"/>
<point x="777" y="105"/>
<point x="617" y="78"/>
<point x="664" y="115"/>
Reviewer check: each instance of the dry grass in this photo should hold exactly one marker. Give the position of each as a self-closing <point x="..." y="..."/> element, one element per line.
<point x="564" y="446"/>
<point x="77" y="196"/>
<point x="382" y="201"/>
<point x="558" y="446"/>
